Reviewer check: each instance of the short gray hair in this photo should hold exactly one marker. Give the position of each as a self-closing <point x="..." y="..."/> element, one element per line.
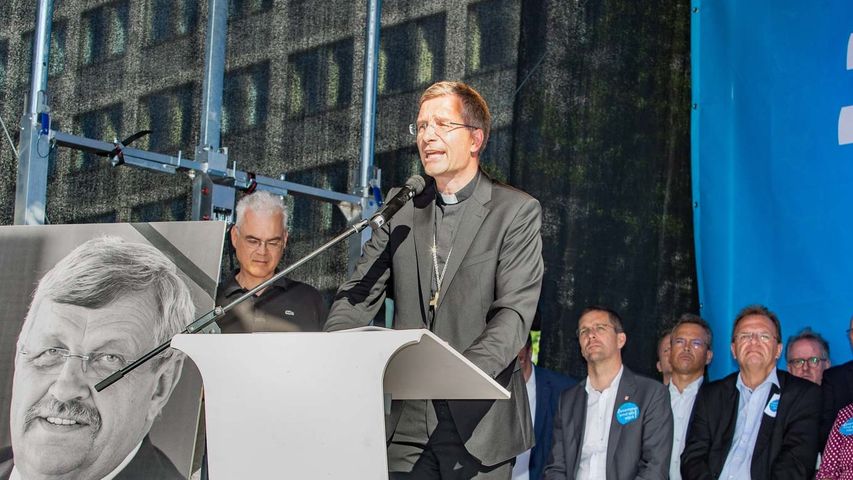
<point x="808" y="334"/>
<point x="103" y="269"/>
<point x="262" y="201"/>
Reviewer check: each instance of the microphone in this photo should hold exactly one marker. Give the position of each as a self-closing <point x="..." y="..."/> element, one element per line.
<point x="414" y="185"/>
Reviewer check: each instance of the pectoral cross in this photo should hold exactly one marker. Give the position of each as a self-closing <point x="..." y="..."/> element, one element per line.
<point x="433" y="301"/>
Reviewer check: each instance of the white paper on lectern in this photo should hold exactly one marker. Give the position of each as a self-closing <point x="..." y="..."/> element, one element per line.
<point x="310" y="405"/>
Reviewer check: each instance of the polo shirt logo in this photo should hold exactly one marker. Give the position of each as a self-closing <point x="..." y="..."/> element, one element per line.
<point x="289" y="313"/>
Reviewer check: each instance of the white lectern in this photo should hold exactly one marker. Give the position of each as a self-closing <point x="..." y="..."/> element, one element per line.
<point x="311" y="405"/>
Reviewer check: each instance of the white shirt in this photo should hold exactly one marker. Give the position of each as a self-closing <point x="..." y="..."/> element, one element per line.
<point x="16" y="475"/>
<point x="521" y="469"/>
<point x="599" y="414"/>
<point x="750" y="410"/>
<point x="682" y="407"/>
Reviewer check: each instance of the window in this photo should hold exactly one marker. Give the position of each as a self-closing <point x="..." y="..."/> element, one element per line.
<point x="104" y="124"/>
<point x="492" y="39"/>
<point x="244" y="98"/>
<point x="169" y="115"/>
<point x="310" y="217"/>
<point x="239" y="8"/>
<point x="104" y="32"/>
<point x="171" y="18"/>
<point x="56" y="62"/>
<point x="171" y="209"/>
<point x="320" y="79"/>
<point x="108" y="217"/>
<point x="411" y="54"/>
<point x="4" y="63"/>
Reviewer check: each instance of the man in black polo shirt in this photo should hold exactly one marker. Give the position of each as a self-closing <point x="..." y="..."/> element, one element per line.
<point x="259" y="238"/>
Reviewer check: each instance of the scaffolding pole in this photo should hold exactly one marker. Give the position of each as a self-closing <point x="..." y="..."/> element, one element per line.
<point x="34" y="146"/>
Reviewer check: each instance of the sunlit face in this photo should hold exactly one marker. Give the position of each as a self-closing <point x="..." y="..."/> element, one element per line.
<point x="806" y="349"/>
<point x="259" y="241"/>
<point x="61" y="427"/>
<point x="452" y="153"/>
<point x="753" y="352"/>
<point x="664" y="348"/>
<point x="690" y="352"/>
<point x="598" y="338"/>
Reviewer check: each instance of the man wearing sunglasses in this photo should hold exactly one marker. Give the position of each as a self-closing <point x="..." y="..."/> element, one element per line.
<point x="259" y="237"/>
<point x="807" y="355"/>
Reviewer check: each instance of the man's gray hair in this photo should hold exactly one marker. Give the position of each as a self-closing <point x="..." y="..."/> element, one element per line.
<point x="262" y="202"/>
<point x="808" y="334"/>
<point x="104" y="269"/>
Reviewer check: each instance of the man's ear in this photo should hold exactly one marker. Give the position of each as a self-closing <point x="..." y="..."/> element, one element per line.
<point x="657" y="365"/>
<point x="709" y="355"/>
<point x="234" y="235"/>
<point x="167" y="376"/>
<point x="621" y="339"/>
<point x="477" y="137"/>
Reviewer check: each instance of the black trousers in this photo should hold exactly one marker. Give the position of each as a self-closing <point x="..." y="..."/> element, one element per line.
<point x="443" y="457"/>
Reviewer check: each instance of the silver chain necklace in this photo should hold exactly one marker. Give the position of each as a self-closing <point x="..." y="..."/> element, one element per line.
<point x="433" y="302"/>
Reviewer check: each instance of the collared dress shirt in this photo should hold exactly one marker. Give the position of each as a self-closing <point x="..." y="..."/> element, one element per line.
<point x="521" y="469"/>
<point x="682" y="407"/>
<point x="750" y="410"/>
<point x="16" y="475"/>
<point x="599" y="414"/>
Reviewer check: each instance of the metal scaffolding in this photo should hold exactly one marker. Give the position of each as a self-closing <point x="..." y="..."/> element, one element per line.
<point x="214" y="183"/>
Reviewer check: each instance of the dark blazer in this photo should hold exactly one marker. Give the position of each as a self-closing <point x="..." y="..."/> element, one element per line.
<point x="549" y="386"/>
<point x="148" y="463"/>
<point x="786" y="446"/>
<point x="486" y="304"/>
<point x="837" y="389"/>
<point x="639" y="449"/>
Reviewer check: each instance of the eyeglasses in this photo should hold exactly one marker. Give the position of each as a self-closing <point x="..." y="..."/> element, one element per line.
<point x="745" y="337"/>
<point x="598" y="329"/>
<point x="440" y="127"/>
<point x="256" y="243"/>
<point x="695" y="344"/>
<point x="801" y="362"/>
<point x="52" y="359"/>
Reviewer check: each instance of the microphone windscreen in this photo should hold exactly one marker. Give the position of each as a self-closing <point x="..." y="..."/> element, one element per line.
<point x="417" y="183"/>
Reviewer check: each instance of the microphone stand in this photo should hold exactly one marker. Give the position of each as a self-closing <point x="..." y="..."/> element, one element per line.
<point x="218" y="311"/>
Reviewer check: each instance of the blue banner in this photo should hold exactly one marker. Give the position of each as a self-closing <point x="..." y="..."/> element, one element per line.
<point x="772" y="165"/>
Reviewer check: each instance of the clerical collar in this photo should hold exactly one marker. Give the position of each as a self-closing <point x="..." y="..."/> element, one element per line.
<point x="461" y="195"/>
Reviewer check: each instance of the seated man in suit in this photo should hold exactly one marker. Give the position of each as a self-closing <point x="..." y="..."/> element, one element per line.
<point x="837" y="391"/>
<point x="690" y="354"/>
<point x="760" y="422"/>
<point x="543" y="393"/>
<point x="615" y="424"/>
<point x="104" y="305"/>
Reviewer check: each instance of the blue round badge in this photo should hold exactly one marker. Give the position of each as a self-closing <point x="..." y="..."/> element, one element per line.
<point x="774" y="405"/>
<point x="846" y="428"/>
<point x="627" y="413"/>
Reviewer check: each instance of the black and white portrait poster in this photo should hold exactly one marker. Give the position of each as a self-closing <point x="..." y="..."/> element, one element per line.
<point x="79" y="302"/>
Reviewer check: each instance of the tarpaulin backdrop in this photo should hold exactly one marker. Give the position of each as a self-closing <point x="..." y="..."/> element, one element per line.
<point x="773" y="165"/>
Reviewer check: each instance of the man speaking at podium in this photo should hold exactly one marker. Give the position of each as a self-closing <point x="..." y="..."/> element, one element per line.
<point x="464" y="260"/>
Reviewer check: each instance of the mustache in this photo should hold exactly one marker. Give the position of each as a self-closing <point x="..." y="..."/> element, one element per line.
<point x="72" y="410"/>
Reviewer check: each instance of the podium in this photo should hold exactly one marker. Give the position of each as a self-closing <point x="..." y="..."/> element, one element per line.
<point x="311" y="405"/>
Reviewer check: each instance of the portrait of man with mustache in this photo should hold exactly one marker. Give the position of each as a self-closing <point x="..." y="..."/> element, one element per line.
<point x="102" y="306"/>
